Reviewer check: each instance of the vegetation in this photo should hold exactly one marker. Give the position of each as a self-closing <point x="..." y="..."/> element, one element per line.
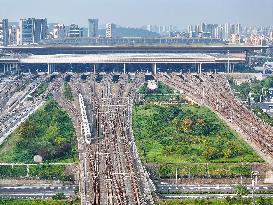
<point x="162" y="93"/>
<point x="241" y="190"/>
<point x="215" y="170"/>
<point x="8" y="171"/>
<point x="178" y="134"/>
<point x="49" y="133"/>
<point x="262" y="115"/>
<point x="37" y="202"/>
<point x="40" y="89"/>
<point x="226" y="201"/>
<point x="58" y="196"/>
<point x="43" y="171"/>
<point x="68" y="91"/>
<point x="50" y="172"/>
<point x="254" y="87"/>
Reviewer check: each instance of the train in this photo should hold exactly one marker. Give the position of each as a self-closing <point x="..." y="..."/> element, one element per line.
<point x="85" y="122"/>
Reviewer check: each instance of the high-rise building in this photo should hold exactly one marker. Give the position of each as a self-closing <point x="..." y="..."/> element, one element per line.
<point x="109" y="30"/>
<point x="32" y="30"/>
<point x="13" y="35"/>
<point x="93" y="27"/>
<point x="40" y="30"/>
<point x="75" y="31"/>
<point x="227" y="32"/>
<point x="59" y="31"/>
<point x="238" y="29"/>
<point x="4" y="32"/>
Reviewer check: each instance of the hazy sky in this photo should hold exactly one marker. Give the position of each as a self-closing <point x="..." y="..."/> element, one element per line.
<point x="141" y="12"/>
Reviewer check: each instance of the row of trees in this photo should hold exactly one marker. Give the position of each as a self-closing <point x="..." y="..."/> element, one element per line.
<point x="254" y="86"/>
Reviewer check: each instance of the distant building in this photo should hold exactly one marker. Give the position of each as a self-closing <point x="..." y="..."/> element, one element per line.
<point x="13" y="35"/>
<point x="235" y="39"/>
<point x="4" y="32"/>
<point x="59" y="31"/>
<point x="32" y="30"/>
<point x="227" y="32"/>
<point x="93" y="27"/>
<point x="109" y="30"/>
<point x="75" y="31"/>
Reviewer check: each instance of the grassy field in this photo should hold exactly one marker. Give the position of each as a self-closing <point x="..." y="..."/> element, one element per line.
<point x="179" y="134"/>
<point x="227" y="201"/>
<point x="43" y="171"/>
<point x="37" y="202"/>
<point x="162" y="93"/>
<point x="48" y="132"/>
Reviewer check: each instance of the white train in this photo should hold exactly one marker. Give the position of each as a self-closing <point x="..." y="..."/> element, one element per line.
<point x="85" y="123"/>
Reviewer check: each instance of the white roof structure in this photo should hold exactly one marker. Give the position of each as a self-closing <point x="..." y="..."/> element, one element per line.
<point x="128" y="58"/>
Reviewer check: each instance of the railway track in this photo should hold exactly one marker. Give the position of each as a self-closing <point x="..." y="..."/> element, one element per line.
<point x="113" y="174"/>
<point x="213" y="90"/>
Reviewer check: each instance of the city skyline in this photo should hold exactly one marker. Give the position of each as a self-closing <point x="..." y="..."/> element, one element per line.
<point x="137" y="14"/>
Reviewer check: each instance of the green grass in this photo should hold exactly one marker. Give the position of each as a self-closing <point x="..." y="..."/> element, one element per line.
<point x="213" y="170"/>
<point x="68" y="91"/>
<point x="48" y="132"/>
<point x="162" y="93"/>
<point x="179" y="134"/>
<point x="37" y="202"/>
<point x="40" y="89"/>
<point x="8" y="171"/>
<point x="226" y="201"/>
<point x="43" y="171"/>
<point x="49" y="172"/>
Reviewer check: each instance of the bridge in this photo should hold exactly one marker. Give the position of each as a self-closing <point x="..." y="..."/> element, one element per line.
<point x="146" y="48"/>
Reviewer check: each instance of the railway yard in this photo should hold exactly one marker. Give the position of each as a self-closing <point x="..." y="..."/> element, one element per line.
<point x="110" y="169"/>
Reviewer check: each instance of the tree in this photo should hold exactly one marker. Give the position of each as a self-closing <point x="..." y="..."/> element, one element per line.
<point x="210" y="153"/>
<point x="58" y="196"/>
<point x="241" y="191"/>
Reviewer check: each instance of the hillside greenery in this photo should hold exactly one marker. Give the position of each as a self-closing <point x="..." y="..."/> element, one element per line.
<point x="48" y="132"/>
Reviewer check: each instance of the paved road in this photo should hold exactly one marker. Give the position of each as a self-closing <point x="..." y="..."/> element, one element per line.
<point x="195" y="196"/>
<point x="167" y="188"/>
<point x="35" y="191"/>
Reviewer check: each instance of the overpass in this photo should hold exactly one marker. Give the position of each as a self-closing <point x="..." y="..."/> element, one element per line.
<point x="13" y="62"/>
<point x="91" y="49"/>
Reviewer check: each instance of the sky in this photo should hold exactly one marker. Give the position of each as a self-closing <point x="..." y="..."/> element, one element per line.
<point x="136" y="13"/>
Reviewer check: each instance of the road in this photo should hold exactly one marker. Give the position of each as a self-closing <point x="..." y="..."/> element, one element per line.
<point x="25" y="192"/>
<point x="206" y="188"/>
<point x="205" y="196"/>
